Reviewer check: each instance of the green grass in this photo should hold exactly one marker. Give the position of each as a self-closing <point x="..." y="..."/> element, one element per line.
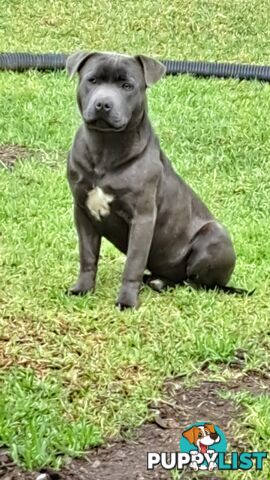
<point x="253" y="427"/>
<point x="75" y="370"/>
<point x="202" y="29"/>
<point x="30" y="424"/>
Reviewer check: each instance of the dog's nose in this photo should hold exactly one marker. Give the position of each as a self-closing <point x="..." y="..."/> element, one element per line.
<point x="214" y="436"/>
<point x="98" y="106"/>
<point x="105" y="105"/>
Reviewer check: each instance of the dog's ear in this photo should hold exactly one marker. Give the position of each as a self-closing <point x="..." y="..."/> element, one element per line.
<point x="153" y="69"/>
<point x="210" y="427"/>
<point x="75" y="62"/>
<point x="190" y="435"/>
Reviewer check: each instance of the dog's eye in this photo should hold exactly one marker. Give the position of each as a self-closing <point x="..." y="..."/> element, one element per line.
<point x="92" y="80"/>
<point x="199" y="435"/>
<point x="127" y="86"/>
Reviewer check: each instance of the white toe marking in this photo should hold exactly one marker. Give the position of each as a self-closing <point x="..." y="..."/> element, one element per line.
<point x="157" y="283"/>
<point x="98" y="203"/>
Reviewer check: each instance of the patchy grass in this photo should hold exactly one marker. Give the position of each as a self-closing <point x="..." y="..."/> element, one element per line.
<point x="253" y="428"/>
<point x="255" y="423"/>
<point x="36" y="421"/>
<point x="77" y="365"/>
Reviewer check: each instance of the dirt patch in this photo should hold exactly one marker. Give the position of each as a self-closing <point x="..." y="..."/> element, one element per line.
<point x="10" y="153"/>
<point x="256" y="382"/>
<point x="126" y="459"/>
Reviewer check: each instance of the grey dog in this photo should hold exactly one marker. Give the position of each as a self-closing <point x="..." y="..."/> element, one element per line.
<point x="126" y="190"/>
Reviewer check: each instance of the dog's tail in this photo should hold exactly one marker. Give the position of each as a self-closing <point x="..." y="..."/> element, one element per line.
<point x="233" y="290"/>
<point x="222" y="288"/>
<point x="160" y="284"/>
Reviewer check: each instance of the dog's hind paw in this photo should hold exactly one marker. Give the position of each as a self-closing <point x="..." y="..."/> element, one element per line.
<point x="157" y="284"/>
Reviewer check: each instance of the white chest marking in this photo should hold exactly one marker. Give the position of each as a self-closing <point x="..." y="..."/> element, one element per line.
<point x="98" y="203"/>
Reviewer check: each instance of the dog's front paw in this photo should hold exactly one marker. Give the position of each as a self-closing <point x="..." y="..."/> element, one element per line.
<point x="128" y="297"/>
<point x="85" y="283"/>
<point x="78" y="290"/>
<point x="123" y="306"/>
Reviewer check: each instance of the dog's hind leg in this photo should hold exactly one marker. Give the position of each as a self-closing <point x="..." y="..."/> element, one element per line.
<point x="211" y="259"/>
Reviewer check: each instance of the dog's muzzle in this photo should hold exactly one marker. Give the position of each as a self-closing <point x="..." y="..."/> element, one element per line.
<point x="102" y="115"/>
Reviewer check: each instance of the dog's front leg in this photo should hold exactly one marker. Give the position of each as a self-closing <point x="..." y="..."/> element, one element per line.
<point x="140" y="239"/>
<point x="89" y="246"/>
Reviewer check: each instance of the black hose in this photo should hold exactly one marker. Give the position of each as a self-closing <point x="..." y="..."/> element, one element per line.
<point x="25" y="61"/>
<point x="223" y="70"/>
<point x="57" y="61"/>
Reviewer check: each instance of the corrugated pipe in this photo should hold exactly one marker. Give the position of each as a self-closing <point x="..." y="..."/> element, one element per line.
<point x="56" y="61"/>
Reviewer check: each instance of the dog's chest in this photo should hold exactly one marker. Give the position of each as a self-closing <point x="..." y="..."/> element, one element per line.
<point x="98" y="202"/>
<point x="103" y="193"/>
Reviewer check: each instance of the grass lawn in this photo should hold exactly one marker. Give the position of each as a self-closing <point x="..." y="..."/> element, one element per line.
<point x="75" y="370"/>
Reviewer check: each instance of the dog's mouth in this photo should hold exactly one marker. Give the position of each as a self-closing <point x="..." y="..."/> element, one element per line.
<point x="203" y="447"/>
<point x="104" y="126"/>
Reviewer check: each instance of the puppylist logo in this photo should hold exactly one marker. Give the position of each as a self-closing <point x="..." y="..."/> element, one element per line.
<point x="203" y="446"/>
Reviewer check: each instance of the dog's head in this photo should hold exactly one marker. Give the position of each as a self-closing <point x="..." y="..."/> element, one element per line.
<point x="111" y="91"/>
<point x="202" y="436"/>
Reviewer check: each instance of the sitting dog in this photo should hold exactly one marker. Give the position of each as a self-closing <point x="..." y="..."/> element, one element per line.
<point x="126" y="190"/>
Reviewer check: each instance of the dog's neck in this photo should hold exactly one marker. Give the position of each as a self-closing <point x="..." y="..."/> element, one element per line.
<point x="112" y="149"/>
